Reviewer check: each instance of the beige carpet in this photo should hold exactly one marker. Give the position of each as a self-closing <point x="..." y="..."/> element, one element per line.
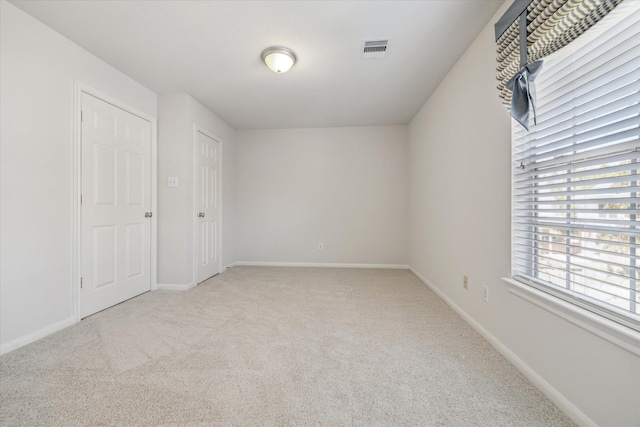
<point x="273" y="346"/>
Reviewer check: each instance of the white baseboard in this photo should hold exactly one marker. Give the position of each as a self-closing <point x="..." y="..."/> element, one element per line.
<point x="547" y="389"/>
<point x="317" y="264"/>
<point x="174" y="287"/>
<point x="34" y="336"/>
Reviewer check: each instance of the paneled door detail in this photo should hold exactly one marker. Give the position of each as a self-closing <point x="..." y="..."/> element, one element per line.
<point x="207" y="206"/>
<point x="116" y="205"/>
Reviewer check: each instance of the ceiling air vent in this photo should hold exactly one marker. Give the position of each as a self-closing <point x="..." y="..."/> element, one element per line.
<point x="374" y="48"/>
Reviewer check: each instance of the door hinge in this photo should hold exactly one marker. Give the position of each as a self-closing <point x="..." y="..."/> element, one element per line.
<point x="81" y="116"/>
<point x="81" y="199"/>
<point x="81" y="280"/>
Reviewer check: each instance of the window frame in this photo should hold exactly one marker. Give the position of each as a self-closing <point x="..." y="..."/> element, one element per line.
<point x="579" y="309"/>
<point x="614" y="332"/>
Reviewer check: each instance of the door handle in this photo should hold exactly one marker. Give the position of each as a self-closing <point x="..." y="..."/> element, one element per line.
<point x="200" y="214"/>
<point x="148" y="214"/>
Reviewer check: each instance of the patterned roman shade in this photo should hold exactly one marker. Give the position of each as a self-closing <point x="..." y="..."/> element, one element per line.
<point x="550" y="25"/>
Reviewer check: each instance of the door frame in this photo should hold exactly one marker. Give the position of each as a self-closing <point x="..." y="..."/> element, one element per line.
<point x="78" y="89"/>
<point x="197" y="128"/>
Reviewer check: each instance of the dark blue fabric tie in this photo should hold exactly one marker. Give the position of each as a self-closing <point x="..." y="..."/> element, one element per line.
<point x="522" y="98"/>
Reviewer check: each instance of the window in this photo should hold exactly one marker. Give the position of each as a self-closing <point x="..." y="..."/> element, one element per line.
<point x="576" y="184"/>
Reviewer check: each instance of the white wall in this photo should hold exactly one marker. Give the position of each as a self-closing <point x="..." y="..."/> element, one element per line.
<point x="37" y="71"/>
<point x="174" y="204"/>
<point x="177" y="115"/>
<point x="344" y="187"/>
<point x="459" y="145"/>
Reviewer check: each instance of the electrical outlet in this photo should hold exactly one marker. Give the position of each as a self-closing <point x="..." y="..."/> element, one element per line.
<point x="320" y="246"/>
<point x="485" y="293"/>
<point x="172" y="181"/>
<point x="465" y="282"/>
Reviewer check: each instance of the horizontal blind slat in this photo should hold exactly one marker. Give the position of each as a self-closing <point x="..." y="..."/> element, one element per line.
<point x="546" y="185"/>
<point x="583" y="223"/>
<point x="593" y="119"/>
<point x="530" y="196"/>
<point x="624" y="145"/>
<point x="531" y="259"/>
<point x="577" y="258"/>
<point x="610" y="293"/>
<point x="532" y="237"/>
<point x="613" y="158"/>
<point x="616" y="131"/>
<point x="622" y="77"/>
<point x="588" y="253"/>
<point x="630" y="232"/>
<point x="625" y="93"/>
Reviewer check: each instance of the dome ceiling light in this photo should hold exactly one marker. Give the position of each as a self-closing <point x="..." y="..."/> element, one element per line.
<point x="279" y="59"/>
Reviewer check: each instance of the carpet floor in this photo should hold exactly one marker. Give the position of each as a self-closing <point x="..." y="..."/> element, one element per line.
<point x="273" y="346"/>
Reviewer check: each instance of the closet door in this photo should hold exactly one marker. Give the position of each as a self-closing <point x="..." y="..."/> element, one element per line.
<point x="207" y="206"/>
<point x="116" y="205"/>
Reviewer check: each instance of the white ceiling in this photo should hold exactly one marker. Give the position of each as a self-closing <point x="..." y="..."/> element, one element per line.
<point x="211" y="50"/>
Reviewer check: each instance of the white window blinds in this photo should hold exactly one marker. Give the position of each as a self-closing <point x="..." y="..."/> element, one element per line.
<point x="576" y="184"/>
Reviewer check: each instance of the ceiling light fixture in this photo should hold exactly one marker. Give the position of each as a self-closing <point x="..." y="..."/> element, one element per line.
<point x="279" y="59"/>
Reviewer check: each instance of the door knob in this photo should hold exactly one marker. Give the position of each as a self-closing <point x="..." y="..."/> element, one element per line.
<point x="148" y="214"/>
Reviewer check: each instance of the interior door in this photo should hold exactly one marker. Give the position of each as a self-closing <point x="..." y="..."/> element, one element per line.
<point x="207" y="206"/>
<point x="116" y="205"/>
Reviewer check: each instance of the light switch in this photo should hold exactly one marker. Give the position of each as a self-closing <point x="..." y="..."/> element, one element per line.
<point x="172" y="181"/>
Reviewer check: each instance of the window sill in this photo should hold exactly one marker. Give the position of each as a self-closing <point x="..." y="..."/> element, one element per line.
<point x="613" y="332"/>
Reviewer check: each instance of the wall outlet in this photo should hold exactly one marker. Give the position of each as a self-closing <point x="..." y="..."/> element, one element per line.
<point x="465" y="282"/>
<point x="172" y="181"/>
<point x="320" y="246"/>
<point x="485" y="293"/>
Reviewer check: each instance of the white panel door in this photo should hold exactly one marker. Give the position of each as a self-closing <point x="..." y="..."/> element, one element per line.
<point x="116" y="205"/>
<point x="207" y="207"/>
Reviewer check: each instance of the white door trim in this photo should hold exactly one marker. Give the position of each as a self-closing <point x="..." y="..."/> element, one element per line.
<point x="78" y="89"/>
<point x="197" y="128"/>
